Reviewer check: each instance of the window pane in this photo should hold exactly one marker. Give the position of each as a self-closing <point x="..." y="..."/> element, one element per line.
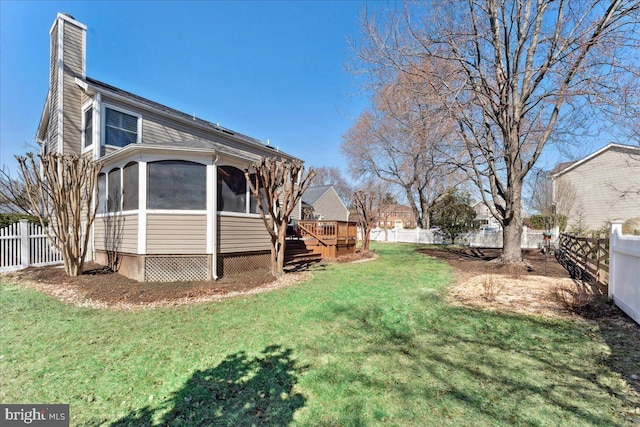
<point x="121" y="129"/>
<point x="130" y="184"/>
<point x="102" y="193"/>
<point x="176" y="184"/>
<point x="88" y="127"/>
<point x="115" y="192"/>
<point x="253" y="203"/>
<point x="232" y="189"/>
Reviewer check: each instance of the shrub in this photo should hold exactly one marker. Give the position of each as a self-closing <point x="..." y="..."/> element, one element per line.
<point x="541" y="222"/>
<point x="6" y="219"/>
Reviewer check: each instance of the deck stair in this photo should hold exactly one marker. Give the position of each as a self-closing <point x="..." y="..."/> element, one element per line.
<point x="297" y="254"/>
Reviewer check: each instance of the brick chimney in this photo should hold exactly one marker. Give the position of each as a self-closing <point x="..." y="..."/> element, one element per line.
<point x="67" y="61"/>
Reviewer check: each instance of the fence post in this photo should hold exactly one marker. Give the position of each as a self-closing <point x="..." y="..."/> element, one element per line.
<point x="616" y="231"/>
<point x="25" y="259"/>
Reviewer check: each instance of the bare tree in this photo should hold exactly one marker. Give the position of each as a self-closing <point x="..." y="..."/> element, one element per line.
<point x="13" y="193"/>
<point x="401" y="140"/>
<point x="368" y="204"/>
<point x="61" y="189"/>
<point x="518" y="75"/>
<point x="277" y="185"/>
<point x="541" y="199"/>
<point x="331" y="175"/>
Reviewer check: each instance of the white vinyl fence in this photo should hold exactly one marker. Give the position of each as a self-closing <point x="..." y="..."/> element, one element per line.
<point x="23" y="244"/>
<point x="624" y="271"/>
<point x="531" y="239"/>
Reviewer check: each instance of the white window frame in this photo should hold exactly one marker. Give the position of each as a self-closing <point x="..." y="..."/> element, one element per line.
<point x="86" y="107"/>
<point x="103" y="124"/>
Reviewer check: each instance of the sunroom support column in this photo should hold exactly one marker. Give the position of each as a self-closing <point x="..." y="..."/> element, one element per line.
<point x="142" y="208"/>
<point x="212" y="215"/>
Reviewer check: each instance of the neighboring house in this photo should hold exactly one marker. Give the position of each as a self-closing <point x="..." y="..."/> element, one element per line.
<point x="397" y="216"/>
<point x="323" y="203"/>
<point x="173" y="199"/>
<point x="484" y="219"/>
<point x="599" y="188"/>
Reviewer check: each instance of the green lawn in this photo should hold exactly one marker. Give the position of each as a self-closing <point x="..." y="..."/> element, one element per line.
<point x="360" y="344"/>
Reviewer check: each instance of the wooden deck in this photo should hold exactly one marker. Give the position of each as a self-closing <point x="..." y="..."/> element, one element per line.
<point x="330" y="239"/>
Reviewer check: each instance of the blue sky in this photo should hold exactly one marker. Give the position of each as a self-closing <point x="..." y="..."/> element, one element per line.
<point x="271" y="70"/>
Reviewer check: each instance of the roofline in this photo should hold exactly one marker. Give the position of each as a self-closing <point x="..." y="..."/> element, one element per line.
<point x="132" y="149"/>
<point x="88" y="86"/>
<point x="42" y="124"/>
<point x="590" y="156"/>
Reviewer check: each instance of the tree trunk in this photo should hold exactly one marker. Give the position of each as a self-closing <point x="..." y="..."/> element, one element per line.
<point x="279" y="265"/>
<point x="366" y="238"/>
<point x="512" y="226"/>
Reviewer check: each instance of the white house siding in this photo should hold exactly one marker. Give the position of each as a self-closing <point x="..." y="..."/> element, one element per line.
<point x="242" y="234"/>
<point x="129" y="223"/>
<point x="176" y="234"/>
<point x="603" y="188"/>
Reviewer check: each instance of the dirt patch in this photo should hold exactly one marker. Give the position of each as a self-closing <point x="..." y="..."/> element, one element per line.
<point x="539" y="286"/>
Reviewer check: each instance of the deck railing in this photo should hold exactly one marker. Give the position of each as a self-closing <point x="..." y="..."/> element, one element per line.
<point x="328" y="232"/>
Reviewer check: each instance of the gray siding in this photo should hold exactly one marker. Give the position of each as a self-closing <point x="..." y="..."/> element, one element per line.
<point x="330" y="207"/>
<point x="128" y="225"/>
<point x="176" y="234"/>
<point x="242" y="234"/>
<point x="157" y="128"/>
<point x="604" y="188"/>
<point x="52" y="132"/>
<point x="72" y="104"/>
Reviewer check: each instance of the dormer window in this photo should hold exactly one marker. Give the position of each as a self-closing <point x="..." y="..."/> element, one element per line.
<point x="120" y="128"/>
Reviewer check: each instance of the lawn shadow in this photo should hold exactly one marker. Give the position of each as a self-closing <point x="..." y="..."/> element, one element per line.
<point x="455" y="373"/>
<point x="240" y="391"/>
<point x="622" y="336"/>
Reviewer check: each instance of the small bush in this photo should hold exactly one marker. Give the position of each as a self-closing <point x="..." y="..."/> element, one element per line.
<point x="575" y="299"/>
<point x="6" y="219"/>
<point x="490" y="288"/>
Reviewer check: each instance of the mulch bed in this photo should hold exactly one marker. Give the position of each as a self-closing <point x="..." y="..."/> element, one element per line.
<point x="472" y="261"/>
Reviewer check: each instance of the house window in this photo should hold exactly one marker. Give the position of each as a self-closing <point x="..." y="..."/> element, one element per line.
<point x="88" y="128"/>
<point x="102" y="193"/>
<point x="121" y="129"/>
<point x="130" y="184"/>
<point x="114" y="189"/>
<point x="232" y="189"/>
<point x="176" y="184"/>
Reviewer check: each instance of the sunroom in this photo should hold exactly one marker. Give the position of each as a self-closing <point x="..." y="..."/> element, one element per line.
<point x="168" y="213"/>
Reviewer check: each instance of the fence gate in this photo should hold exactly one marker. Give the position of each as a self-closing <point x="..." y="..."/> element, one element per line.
<point x="23" y="245"/>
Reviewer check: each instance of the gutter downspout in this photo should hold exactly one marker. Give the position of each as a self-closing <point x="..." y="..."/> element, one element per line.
<point x="214" y="256"/>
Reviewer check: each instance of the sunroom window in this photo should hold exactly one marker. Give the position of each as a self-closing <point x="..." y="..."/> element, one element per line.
<point x="121" y="129"/>
<point x="114" y="197"/>
<point x="130" y="184"/>
<point x="232" y="190"/>
<point x="176" y="184"/>
<point x="102" y="193"/>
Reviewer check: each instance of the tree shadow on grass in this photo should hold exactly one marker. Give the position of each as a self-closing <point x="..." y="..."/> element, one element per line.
<point x="240" y="391"/>
<point x="479" y="359"/>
